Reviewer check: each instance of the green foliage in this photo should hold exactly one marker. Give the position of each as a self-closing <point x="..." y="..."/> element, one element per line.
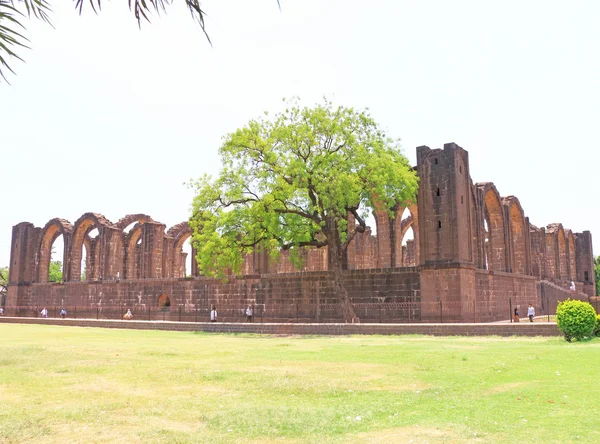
<point x="3" y="285"/>
<point x="296" y="180"/>
<point x="576" y="319"/>
<point x="597" y="274"/>
<point x="55" y="271"/>
<point x="3" y="278"/>
<point x="597" y="329"/>
<point x="13" y="12"/>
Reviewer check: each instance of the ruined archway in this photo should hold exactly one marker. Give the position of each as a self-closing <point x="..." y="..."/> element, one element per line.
<point x="493" y="214"/>
<point x="129" y="219"/>
<point x="518" y="235"/>
<point x="406" y="236"/>
<point x="180" y="234"/>
<point x="50" y="233"/>
<point x="133" y="241"/>
<point x="563" y="272"/>
<point x="486" y="241"/>
<point x="84" y="225"/>
<point x="571" y="254"/>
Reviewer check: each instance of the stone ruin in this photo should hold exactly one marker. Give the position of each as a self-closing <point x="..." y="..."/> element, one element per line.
<point x="472" y="251"/>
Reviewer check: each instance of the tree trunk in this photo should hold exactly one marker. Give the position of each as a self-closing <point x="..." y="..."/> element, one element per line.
<point x="337" y="264"/>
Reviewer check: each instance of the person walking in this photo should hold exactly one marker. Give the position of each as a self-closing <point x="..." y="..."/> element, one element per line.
<point x="530" y="312"/>
<point x="44" y="312"/>
<point x="249" y="313"/>
<point x="213" y="314"/>
<point x="572" y="287"/>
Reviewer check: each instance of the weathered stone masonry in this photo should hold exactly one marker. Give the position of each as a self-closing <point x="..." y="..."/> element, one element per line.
<point x="472" y="250"/>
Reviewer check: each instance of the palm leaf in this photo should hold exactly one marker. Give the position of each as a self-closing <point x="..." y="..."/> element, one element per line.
<point x="13" y="12"/>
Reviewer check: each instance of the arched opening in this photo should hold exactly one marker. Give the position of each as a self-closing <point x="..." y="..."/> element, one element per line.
<point x="164" y="303"/>
<point x="496" y="251"/>
<point x="133" y="249"/>
<point x="179" y="263"/>
<point x="187" y="252"/>
<point x="86" y="230"/>
<point x="572" y="259"/>
<point x="562" y="255"/>
<point x="129" y="227"/>
<point x="182" y="256"/>
<point x="50" y="253"/>
<point x="406" y="240"/>
<point x="409" y="249"/>
<point x="486" y="243"/>
<point x="84" y="259"/>
<point x="55" y="267"/>
<point x="517" y="231"/>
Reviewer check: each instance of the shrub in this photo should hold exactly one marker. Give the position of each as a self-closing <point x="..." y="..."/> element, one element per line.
<point x="576" y="319"/>
<point x="597" y="329"/>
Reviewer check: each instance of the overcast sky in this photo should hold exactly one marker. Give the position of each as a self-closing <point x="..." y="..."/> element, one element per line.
<point x="106" y="118"/>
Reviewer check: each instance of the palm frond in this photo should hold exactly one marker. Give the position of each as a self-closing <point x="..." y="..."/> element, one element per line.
<point x="13" y="12"/>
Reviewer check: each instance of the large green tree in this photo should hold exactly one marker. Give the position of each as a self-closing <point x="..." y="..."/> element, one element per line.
<point x="3" y="285"/>
<point x="55" y="271"/>
<point x="597" y="274"/>
<point x="305" y="178"/>
<point x="13" y="13"/>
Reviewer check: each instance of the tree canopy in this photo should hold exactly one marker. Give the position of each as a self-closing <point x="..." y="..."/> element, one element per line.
<point x="13" y="13"/>
<point x="307" y="177"/>
<point x="597" y="274"/>
<point x="3" y="284"/>
<point x="55" y="271"/>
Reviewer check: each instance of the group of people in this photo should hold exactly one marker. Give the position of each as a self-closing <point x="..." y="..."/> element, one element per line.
<point x="530" y="313"/>
<point x="62" y="313"/>
<point x="249" y="314"/>
<point x="213" y="314"/>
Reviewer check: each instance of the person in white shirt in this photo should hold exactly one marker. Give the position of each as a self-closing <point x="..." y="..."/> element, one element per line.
<point x="249" y="314"/>
<point x="1" y="311"/>
<point x="213" y="314"/>
<point x="530" y="312"/>
<point x="44" y="312"/>
<point x="572" y="287"/>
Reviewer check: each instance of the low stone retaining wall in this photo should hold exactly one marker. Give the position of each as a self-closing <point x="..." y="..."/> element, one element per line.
<point x="483" y="329"/>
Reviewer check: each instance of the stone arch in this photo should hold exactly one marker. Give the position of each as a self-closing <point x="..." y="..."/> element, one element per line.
<point x="180" y="233"/>
<point x="400" y="228"/>
<point x="124" y="222"/>
<point x="50" y="232"/>
<point x="571" y="254"/>
<point x="409" y="255"/>
<point x="517" y="235"/>
<point x="563" y="266"/>
<point x="494" y="215"/>
<point x="81" y="229"/>
<point x="132" y="252"/>
<point x="163" y="302"/>
<point x="556" y="252"/>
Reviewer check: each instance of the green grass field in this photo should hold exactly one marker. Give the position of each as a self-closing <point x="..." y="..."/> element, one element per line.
<point x="67" y="384"/>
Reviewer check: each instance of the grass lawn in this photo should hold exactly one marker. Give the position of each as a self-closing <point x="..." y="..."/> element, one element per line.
<point x="68" y="384"/>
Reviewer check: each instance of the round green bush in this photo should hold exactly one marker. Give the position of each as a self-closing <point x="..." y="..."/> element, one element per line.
<point x="597" y="330"/>
<point x="576" y="319"/>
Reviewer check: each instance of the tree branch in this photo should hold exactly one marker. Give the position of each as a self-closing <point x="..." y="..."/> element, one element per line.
<point x="311" y="243"/>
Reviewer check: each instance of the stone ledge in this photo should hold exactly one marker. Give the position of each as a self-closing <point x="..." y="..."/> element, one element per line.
<point x="479" y="329"/>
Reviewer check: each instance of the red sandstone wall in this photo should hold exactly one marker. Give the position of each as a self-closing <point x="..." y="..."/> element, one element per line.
<point x="499" y="291"/>
<point x="275" y="295"/>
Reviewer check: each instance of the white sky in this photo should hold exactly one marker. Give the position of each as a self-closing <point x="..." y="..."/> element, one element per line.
<point x="106" y="118"/>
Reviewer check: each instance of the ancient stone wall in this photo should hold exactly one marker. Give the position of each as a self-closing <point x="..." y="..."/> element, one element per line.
<point x="472" y="251"/>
